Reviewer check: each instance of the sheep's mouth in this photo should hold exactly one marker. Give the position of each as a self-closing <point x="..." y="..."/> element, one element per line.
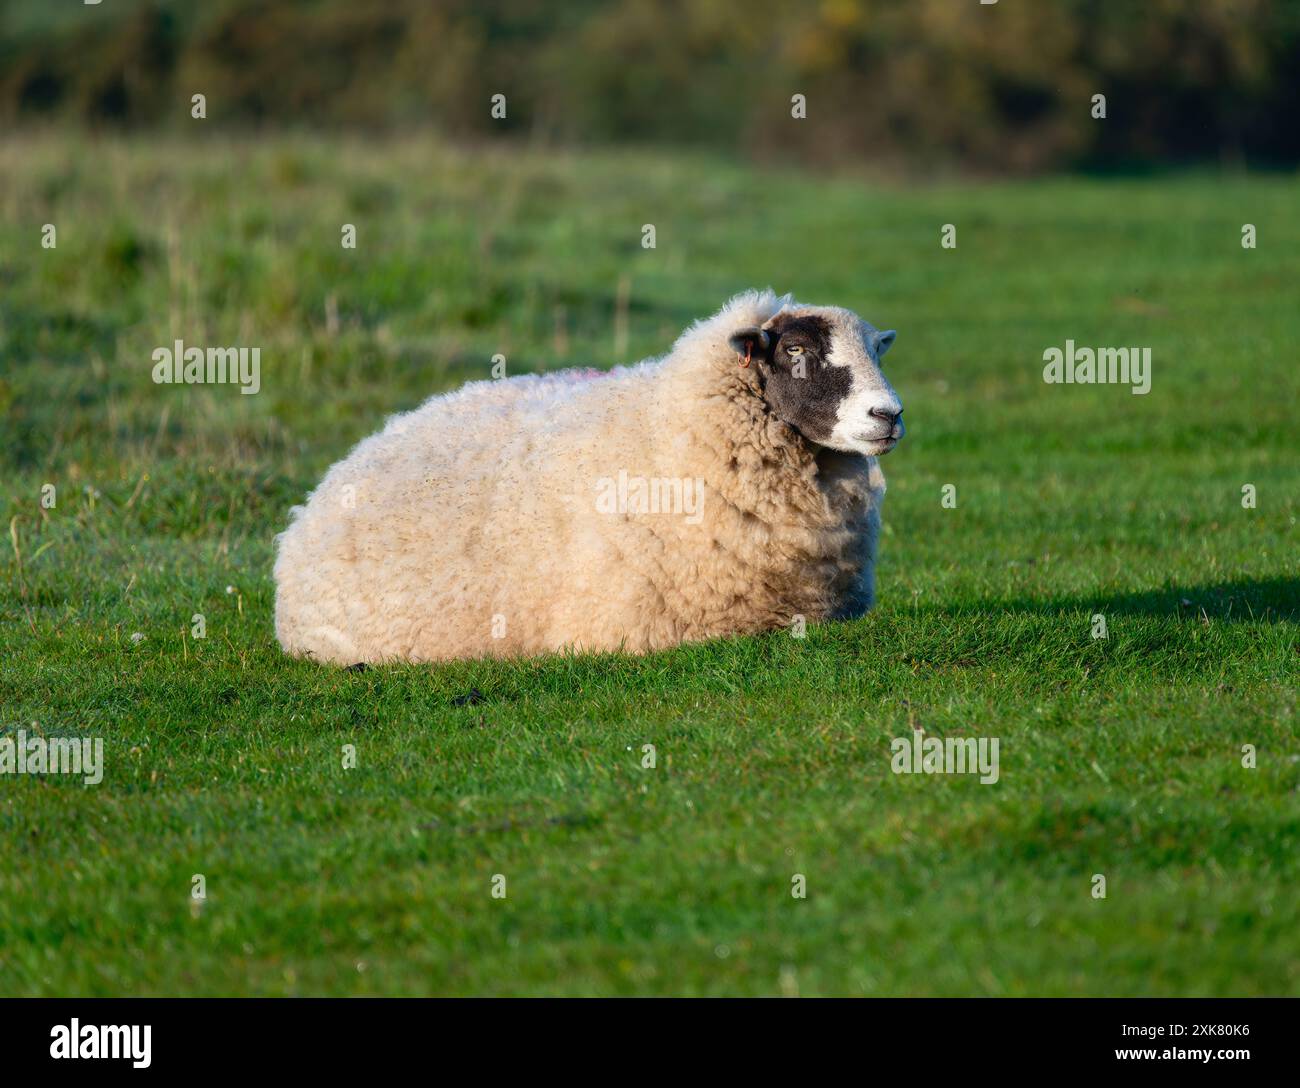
<point x="879" y="446"/>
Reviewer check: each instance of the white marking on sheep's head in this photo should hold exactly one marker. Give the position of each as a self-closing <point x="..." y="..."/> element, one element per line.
<point x="819" y="371"/>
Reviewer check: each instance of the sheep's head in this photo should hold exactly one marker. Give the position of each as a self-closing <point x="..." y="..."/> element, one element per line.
<point x="819" y="370"/>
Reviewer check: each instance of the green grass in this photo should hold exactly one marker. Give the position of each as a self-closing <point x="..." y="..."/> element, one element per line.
<point x="1119" y="756"/>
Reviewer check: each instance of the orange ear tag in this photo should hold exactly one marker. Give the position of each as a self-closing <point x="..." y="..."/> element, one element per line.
<point x="744" y="359"/>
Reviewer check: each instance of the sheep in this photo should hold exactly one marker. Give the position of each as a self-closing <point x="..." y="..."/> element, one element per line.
<point x="727" y="488"/>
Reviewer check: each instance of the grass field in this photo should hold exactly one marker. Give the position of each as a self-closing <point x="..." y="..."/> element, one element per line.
<point x="1120" y="756"/>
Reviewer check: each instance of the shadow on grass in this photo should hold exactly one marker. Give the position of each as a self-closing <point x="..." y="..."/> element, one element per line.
<point x="729" y="667"/>
<point x="1244" y="600"/>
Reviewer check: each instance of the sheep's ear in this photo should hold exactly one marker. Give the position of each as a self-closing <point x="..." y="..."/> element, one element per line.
<point x="884" y="340"/>
<point x="750" y="343"/>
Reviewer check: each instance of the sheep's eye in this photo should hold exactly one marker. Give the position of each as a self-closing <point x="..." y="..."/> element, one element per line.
<point x="794" y="349"/>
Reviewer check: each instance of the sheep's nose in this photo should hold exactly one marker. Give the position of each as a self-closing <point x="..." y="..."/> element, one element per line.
<point x="886" y="415"/>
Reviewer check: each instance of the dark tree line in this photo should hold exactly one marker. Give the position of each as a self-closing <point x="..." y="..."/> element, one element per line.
<point x="1003" y="87"/>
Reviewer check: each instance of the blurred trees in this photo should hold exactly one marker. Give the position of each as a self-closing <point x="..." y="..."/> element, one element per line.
<point x="926" y="83"/>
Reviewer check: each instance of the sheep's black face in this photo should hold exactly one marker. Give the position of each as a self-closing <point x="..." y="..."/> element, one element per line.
<point x="820" y="373"/>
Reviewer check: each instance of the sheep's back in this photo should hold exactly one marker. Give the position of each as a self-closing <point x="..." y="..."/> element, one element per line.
<point x="439" y="535"/>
